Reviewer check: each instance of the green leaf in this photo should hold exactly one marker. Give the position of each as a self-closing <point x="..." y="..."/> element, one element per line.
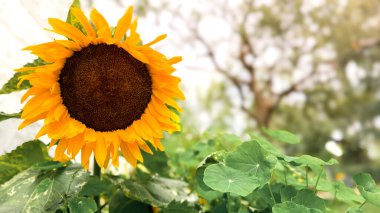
<point x="310" y="161"/>
<point x="226" y="179"/>
<point x="251" y="158"/>
<point x="95" y="187"/>
<point x="202" y="189"/>
<point x="346" y="194"/>
<point x="71" y="19"/>
<point x="354" y="210"/>
<point x="35" y="190"/>
<point x="11" y="85"/>
<point x="22" y="158"/>
<point x="82" y="205"/>
<point x="368" y="188"/>
<point x="156" y="191"/>
<point x="287" y="193"/>
<point x="307" y="197"/>
<point x="175" y="207"/>
<point x="268" y="146"/>
<point x="283" y="136"/>
<point x="49" y="165"/>
<point x="119" y="203"/>
<point x="156" y="163"/>
<point x="4" y="116"/>
<point x="291" y="207"/>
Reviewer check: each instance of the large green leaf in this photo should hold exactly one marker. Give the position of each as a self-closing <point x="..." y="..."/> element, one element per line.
<point x="35" y="190"/>
<point x="4" y="116"/>
<point x="202" y="189"/>
<point x="119" y="203"/>
<point x="346" y="194"/>
<point x="287" y="193"/>
<point x="182" y="207"/>
<point x="22" y="158"/>
<point x="368" y="188"/>
<point x="310" y="161"/>
<point x="156" y="191"/>
<point x="11" y="85"/>
<point x="82" y="205"/>
<point x="307" y="197"/>
<point x="96" y="187"/>
<point x="268" y="146"/>
<point x="283" y="136"/>
<point x="291" y="207"/>
<point x="249" y="157"/>
<point x="354" y="210"/>
<point x="225" y="179"/>
<point x="156" y="163"/>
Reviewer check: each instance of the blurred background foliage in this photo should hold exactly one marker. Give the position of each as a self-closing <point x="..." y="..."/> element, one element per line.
<point x="311" y="67"/>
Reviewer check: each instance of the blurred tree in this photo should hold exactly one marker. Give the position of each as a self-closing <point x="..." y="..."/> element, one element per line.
<point x="307" y="66"/>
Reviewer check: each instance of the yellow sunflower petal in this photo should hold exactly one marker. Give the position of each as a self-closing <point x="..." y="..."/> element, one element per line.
<point x="123" y="24"/>
<point x="60" y="151"/>
<point x="156" y="40"/>
<point x="128" y="155"/>
<point x="84" y="22"/>
<point x="86" y="153"/>
<point x="101" y="25"/>
<point x="175" y="60"/>
<point x="100" y="151"/>
<point x="67" y="30"/>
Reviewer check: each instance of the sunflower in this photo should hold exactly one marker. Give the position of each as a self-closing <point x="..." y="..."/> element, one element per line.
<point x="101" y="91"/>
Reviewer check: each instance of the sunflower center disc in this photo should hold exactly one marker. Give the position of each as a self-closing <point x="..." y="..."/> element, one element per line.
<point x="105" y="87"/>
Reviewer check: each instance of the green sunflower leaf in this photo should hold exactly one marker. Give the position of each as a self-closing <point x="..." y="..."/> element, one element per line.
<point x="156" y="191"/>
<point x="4" y="116"/>
<point x="82" y="205"/>
<point x="71" y="19"/>
<point x="119" y="203"/>
<point x="368" y="188"/>
<point x="291" y="207"/>
<point x="22" y="158"/>
<point x="35" y="190"/>
<point x="283" y="136"/>
<point x="249" y="157"/>
<point x="11" y="85"/>
<point x="96" y="186"/>
<point x="225" y="179"/>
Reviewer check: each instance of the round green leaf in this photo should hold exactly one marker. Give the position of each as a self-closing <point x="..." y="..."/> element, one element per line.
<point x="368" y="188"/>
<point x="291" y="207"/>
<point x="251" y="158"/>
<point x="225" y="179"/>
<point x="283" y="136"/>
<point x="307" y="197"/>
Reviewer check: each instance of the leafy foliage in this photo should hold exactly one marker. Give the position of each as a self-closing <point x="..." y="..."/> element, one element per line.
<point x="4" y="116"/>
<point x="37" y="190"/>
<point x="71" y="19"/>
<point x="368" y="188"/>
<point x="23" y="157"/>
<point x="156" y="191"/>
<point x="11" y="85"/>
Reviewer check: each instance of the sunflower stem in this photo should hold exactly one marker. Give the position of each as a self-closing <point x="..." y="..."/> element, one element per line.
<point x="97" y="173"/>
